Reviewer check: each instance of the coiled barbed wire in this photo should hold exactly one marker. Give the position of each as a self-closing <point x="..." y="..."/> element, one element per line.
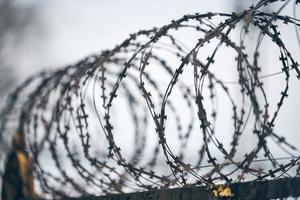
<point x="162" y="95"/>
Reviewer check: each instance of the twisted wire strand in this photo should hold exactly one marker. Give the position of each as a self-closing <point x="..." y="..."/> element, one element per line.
<point x="70" y="117"/>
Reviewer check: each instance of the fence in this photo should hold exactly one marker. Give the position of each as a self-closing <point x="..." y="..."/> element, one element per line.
<point x="274" y="189"/>
<point x="72" y="140"/>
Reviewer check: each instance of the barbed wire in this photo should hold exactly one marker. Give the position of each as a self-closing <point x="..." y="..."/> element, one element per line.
<point x="70" y="117"/>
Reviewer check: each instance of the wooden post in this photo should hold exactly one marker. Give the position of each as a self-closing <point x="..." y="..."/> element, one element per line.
<point x="267" y="189"/>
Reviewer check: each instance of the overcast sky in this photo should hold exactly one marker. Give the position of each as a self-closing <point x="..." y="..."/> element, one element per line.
<point x="61" y="32"/>
<point x="66" y="31"/>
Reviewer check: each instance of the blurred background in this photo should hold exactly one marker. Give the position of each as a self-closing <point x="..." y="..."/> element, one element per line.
<point x="38" y="35"/>
<point x="46" y="35"/>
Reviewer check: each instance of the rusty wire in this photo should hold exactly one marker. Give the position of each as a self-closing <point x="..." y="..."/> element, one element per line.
<point x="70" y="116"/>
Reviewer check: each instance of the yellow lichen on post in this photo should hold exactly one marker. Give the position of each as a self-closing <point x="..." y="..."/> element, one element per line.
<point x="18" y="180"/>
<point x="22" y="164"/>
<point x="222" y="191"/>
<point x="25" y="171"/>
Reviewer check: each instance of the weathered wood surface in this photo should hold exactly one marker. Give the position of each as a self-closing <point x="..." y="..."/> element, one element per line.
<point x="267" y="189"/>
